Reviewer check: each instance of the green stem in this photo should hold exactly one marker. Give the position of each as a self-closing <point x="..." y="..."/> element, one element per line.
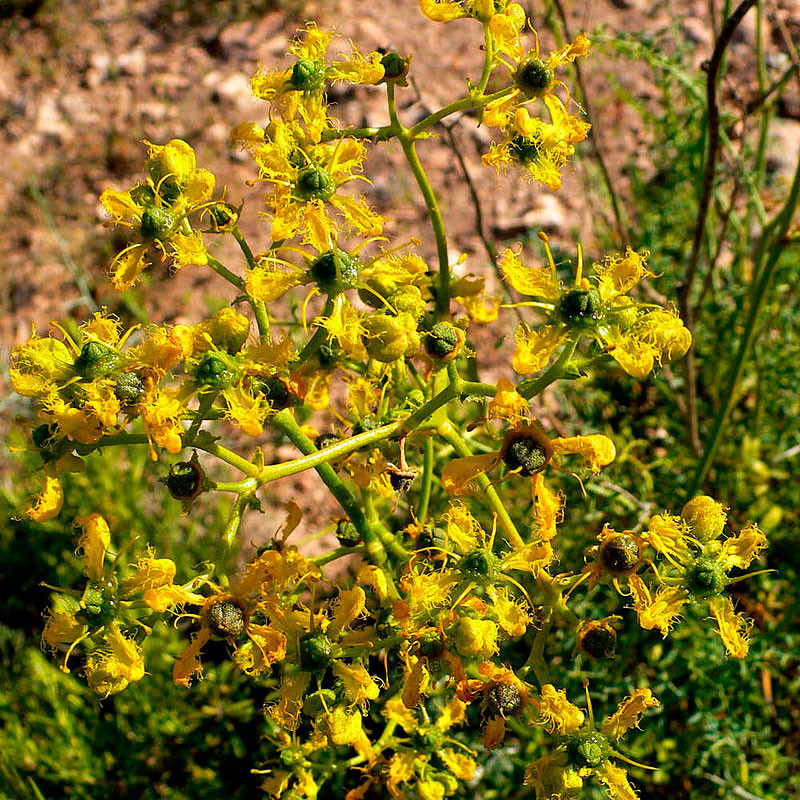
<point x="225" y="548"/>
<point x="225" y="273"/>
<point x="760" y="290"/>
<point x="406" y="139"/>
<point x="450" y="434"/>
<point x="318" y="337"/>
<point x="427" y="481"/>
<point x="536" y="660"/>
<point x="531" y="387"/>
<point x="206" y="402"/>
<point x="258" y="306"/>
<point x="465" y="104"/>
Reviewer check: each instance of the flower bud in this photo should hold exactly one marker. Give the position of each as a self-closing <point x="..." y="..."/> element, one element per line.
<point x="389" y="338"/>
<point x="706" y="517"/>
<point x="476" y="637"/>
<point x="478" y="564"/>
<point x="408" y="299"/>
<point x="228" y="329"/>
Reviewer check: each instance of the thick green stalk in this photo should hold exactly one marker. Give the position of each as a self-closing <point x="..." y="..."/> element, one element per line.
<point x="531" y="387"/>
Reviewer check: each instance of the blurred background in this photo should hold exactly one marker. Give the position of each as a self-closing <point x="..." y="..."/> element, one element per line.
<point x="83" y="84"/>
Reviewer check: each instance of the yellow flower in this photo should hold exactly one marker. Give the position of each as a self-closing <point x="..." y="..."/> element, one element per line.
<point x="556" y="713"/>
<point x="661" y="610"/>
<point x="49" y="501"/>
<point x="158" y="211"/>
<point x="637" y="336"/>
<point x="483" y="10"/>
<point x="299" y="90"/>
<point x="533" y="77"/>
<point x="305" y="180"/>
<point x="116" y="663"/>
<point x="93" y="543"/>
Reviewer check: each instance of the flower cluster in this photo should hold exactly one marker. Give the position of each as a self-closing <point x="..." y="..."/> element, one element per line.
<point x="393" y="676"/>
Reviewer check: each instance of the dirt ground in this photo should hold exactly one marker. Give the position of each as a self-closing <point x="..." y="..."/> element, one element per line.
<point x="84" y="82"/>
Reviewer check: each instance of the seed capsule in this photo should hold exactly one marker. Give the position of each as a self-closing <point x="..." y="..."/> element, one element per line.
<point x="307" y="75"/>
<point x="598" y="640"/>
<point x="276" y="391"/>
<point x="504" y="699"/>
<point x="314" y="182"/>
<point x="526" y="450"/>
<point x="444" y="341"/>
<point x="213" y="372"/>
<point x="128" y="388"/>
<point x="334" y="271"/>
<point x="157" y="223"/>
<point x="226" y="619"/>
<point x="185" y="480"/>
<point x="347" y="533"/>
<point x="580" y="305"/>
<point x="620" y="554"/>
<point x="533" y="77"/>
<point x="587" y="749"/>
<point x="705" y="578"/>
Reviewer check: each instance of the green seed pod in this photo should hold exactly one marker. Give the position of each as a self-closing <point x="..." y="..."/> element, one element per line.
<point x="99" y="603"/>
<point x="525" y="451"/>
<point x="504" y="699"/>
<point x="186" y="480"/>
<point x="580" y="305"/>
<point x="587" y="749"/>
<point x="428" y="739"/>
<point x="395" y="67"/>
<point x="365" y="424"/>
<point x="533" y="77"/>
<point x="525" y="150"/>
<point x="224" y="217"/>
<point x="157" y="223"/>
<point x="226" y="619"/>
<point x="307" y="75"/>
<point x="479" y="565"/>
<point x="318" y="702"/>
<point x="128" y="388"/>
<point x="619" y="554"/>
<point x="96" y="360"/>
<point x="334" y="271"/>
<point x="212" y="372"/>
<point x="443" y="341"/>
<point x="316" y="652"/>
<point x="314" y="182"/>
<point x="276" y="391"/>
<point x="347" y="533"/>
<point x="705" y="578"/>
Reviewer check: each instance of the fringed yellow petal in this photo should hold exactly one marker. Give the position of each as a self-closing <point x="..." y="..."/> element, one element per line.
<point x="634" y="355"/>
<point x="165" y="597"/>
<point x="667" y="534"/>
<point x="459" y="472"/>
<point x="266" y="647"/>
<point x="661" y="610"/>
<point x="188" y="665"/>
<point x="359" y="215"/>
<point x="547" y="508"/>
<point x="358" y="684"/>
<point x="460" y="764"/>
<point x="740" y="550"/>
<point x="349" y="606"/>
<point x="511" y="616"/>
<point x="534" y="347"/>
<point x="93" y="543"/>
<point x="556" y="713"/>
<point x="629" y="713"/>
<point x="531" y="281"/>
<point x="615" y="779"/>
<point x="127" y="267"/>
<point x="598" y="451"/>
<point x="442" y="11"/>
<point x="733" y="628"/>
<point x="618" y="274"/>
<point x="49" y="502"/>
<point x="151" y="573"/>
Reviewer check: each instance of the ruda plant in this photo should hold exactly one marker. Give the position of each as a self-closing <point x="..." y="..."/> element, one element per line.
<point x="395" y="677"/>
